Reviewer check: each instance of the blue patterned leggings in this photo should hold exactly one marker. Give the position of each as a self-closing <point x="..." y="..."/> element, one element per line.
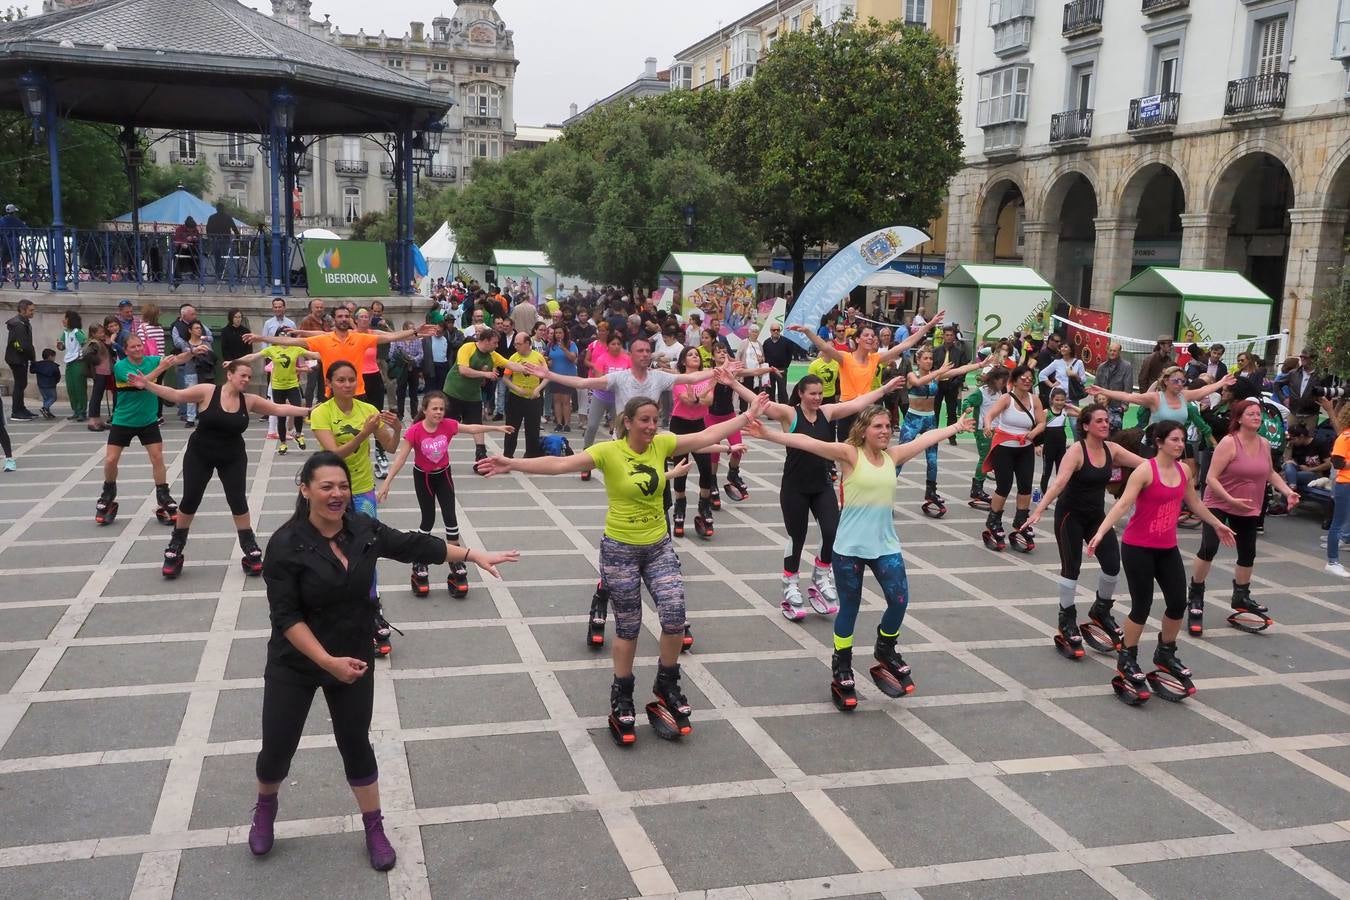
<point x="848" y="577"/>
<point x="916" y="424"/>
<point x="624" y="568"/>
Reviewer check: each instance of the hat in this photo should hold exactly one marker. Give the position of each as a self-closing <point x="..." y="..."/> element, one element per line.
<point x="122" y="303"/>
<point x="1166" y="337"/>
<point x="11" y="208"/>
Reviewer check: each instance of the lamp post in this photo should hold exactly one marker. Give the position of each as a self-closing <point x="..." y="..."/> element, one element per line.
<point x="281" y="121"/>
<point x="39" y="103"/>
<point x="132" y="157"/>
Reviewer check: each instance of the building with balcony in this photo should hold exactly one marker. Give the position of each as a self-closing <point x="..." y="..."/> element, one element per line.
<point x="1219" y="139"/>
<point x="470" y="56"/>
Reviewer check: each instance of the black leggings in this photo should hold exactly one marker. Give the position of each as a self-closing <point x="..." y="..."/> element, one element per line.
<point x="433" y="488"/>
<point x="4" y="437"/>
<point x="524" y="411"/>
<point x="293" y="396"/>
<point x="374" y="384"/>
<point x="1244" y="527"/>
<point x="1052" y="451"/>
<point x="1012" y="461"/>
<point x="706" y="480"/>
<point x="797" y="507"/>
<point x="285" y="708"/>
<point x="95" y="410"/>
<point x="1072" y="531"/>
<point x="197" y="470"/>
<point x="1144" y="566"/>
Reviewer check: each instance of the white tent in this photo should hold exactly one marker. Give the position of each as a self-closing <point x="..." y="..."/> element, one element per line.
<point x="770" y="276"/>
<point x="889" y="278"/>
<point x="439" y="251"/>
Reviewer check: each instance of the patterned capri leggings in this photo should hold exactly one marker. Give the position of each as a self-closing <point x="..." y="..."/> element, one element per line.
<point x="624" y="568"/>
<point x="916" y="424"/>
<point x="848" y="578"/>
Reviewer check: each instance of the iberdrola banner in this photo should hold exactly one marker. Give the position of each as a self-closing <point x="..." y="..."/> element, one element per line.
<point x="845" y="270"/>
<point x="346" y="268"/>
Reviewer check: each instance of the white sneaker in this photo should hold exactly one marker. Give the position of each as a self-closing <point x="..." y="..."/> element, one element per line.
<point x="1337" y="569"/>
<point x="1345" y="540"/>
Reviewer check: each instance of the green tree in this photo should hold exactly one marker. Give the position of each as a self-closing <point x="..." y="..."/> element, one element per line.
<point x="429" y="208"/>
<point x="843" y="131"/>
<point x="92" y="181"/>
<point x="156" y="181"/>
<point x="496" y="207"/>
<point x="1329" y="329"/>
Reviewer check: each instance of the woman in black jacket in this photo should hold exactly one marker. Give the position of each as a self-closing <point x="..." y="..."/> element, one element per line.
<point x="318" y="569"/>
<point x="232" y="343"/>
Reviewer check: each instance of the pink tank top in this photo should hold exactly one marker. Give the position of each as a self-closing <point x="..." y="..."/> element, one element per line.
<point x="1243" y="478"/>
<point x="686" y="405"/>
<point x="1154" y="523"/>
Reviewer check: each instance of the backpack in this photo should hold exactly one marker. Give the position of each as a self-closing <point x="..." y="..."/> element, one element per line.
<point x="555" y="445"/>
<point x="1273" y="426"/>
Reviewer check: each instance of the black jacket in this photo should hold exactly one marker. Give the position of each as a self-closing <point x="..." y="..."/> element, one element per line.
<point x="778" y="352"/>
<point x="19" y="343"/>
<point x="306" y="583"/>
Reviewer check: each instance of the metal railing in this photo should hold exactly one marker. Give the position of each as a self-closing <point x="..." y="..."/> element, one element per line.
<point x="1082" y="17"/>
<point x="351" y="166"/>
<point x="1256" y="93"/>
<point x="482" y="122"/>
<point x="442" y="173"/>
<point x="229" y="161"/>
<point x="386" y="168"/>
<point x="1157" y="6"/>
<point x="1071" y="125"/>
<point x="183" y="159"/>
<point x="1158" y="111"/>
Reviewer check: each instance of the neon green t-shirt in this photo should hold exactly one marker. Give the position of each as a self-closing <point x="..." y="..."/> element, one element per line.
<point x="284" y="361"/>
<point x="635" y="484"/>
<point x="346" y="426"/>
<point x="827" y="370"/>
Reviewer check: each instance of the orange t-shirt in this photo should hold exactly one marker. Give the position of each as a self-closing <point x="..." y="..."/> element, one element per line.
<point x="856" y="379"/>
<point x="1342" y="449"/>
<point x="332" y="348"/>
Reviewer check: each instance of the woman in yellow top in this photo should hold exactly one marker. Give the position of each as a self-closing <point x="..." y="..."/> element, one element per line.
<point x="524" y="405"/>
<point x="636" y="549"/>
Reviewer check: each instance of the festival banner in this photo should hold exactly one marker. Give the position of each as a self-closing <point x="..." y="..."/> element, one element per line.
<point x="845" y="270"/>
<point x="346" y="268"/>
<point x="1091" y="347"/>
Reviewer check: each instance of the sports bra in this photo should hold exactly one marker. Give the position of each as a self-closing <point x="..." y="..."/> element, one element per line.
<point x="923" y="391"/>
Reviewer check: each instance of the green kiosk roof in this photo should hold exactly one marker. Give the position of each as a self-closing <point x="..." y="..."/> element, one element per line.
<point x="1195" y="284"/>
<point x="995" y="277"/>
<point x="708" y="264"/>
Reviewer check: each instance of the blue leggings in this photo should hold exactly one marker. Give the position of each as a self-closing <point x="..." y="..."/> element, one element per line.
<point x="1340" y="520"/>
<point x="914" y="425"/>
<point x="366" y="504"/>
<point x="848" y="577"/>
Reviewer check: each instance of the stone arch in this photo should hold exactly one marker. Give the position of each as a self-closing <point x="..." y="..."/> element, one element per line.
<point x="1058" y="184"/>
<point x="996" y="186"/>
<point x="1129" y="188"/>
<point x="1229" y="171"/>
<point x="1333" y="185"/>
<point x="995" y="222"/>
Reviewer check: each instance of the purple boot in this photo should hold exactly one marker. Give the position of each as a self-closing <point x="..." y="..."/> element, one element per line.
<point x="382" y="855"/>
<point x="260" y="836"/>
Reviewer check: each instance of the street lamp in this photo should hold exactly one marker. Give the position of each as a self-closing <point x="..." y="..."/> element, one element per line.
<point x="33" y="94"/>
<point x="283" y="109"/>
<point x="427" y="143"/>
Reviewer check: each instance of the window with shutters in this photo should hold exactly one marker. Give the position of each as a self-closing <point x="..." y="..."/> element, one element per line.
<point x="1003" y="96"/>
<point x="1340" y="45"/>
<point x="1269" y="45"/>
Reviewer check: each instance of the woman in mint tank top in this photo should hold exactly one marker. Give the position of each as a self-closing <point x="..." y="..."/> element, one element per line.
<point x="866" y="539"/>
<point x="1166" y="399"/>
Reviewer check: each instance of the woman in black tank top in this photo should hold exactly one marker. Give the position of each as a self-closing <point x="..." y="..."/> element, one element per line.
<point x="1080" y="486"/>
<point x="807" y="490"/>
<point x="217" y="447"/>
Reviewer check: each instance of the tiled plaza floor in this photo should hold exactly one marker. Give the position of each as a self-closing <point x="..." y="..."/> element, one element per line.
<point x="130" y="718"/>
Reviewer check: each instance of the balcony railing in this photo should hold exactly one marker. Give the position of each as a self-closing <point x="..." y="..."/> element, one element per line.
<point x="386" y="168"/>
<point x="230" y="161"/>
<point x="351" y="166"/>
<point x="1082" y="17"/>
<point x="1150" y="7"/>
<point x="183" y="159"/>
<point x="1072" y="126"/>
<point x="442" y="173"/>
<point x="1155" y="113"/>
<point x="482" y="122"/>
<point x="1257" y="94"/>
<point x="304" y="164"/>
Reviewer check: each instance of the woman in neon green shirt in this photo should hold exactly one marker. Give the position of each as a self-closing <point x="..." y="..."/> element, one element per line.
<point x="636" y="548"/>
<point x="524" y="406"/>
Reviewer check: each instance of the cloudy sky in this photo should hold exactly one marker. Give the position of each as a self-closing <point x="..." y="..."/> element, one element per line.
<point x="569" y="52"/>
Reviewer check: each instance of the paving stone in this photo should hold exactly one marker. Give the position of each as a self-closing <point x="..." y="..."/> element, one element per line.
<point x="197" y="549"/>
<point x="566" y="641"/>
<point x="81" y="726"/>
<point x="553" y="601"/>
<point x="196" y="578"/>
<point x="930" y="823"/>
<point x="102" y="666"/>
<point x="29" y="623"/>
<point x="874" y="741"/>
<point x="467" y="700"/>
<point x="588" y="689"/>
<point x="436" y="648"/>
<point x="773" y="682"/>
<point x="1335" y="858"/>
<point x="1022" y="730"/>
<point x="149" y="617"/>
<point x="1140" y="810"/>
<point x="714" y="752"/>
<point x="55" y="554"/>
<point x="1227" y="875"/>
<point x="550" y="567"/>
<point x="1276" y="711"/>
<point x="247" y="659"/>
<point x="1054" y="886"/>
<point x="316" y="786"/>
<point x="12" y="665"/>
<point x="107" y="800"/>
<point x="482" y="859"/>
<point x="739" y="634"/>
<point x="253" y="614"/>
<point x="330" y="865"/>
<point x="1021" y="585"/>
<point x="1168" y="724"/>
<point x="56" y="586"/>
<point x="402" y="605"/>
<point x="975" y="623"/>
<point x="1288" y="610"/>
<point x="239" y="716"/>
<point x="1284" y="653"/>
<point x="1042" y="667"/>
<point x="1264" y="789"/>
<point x="699" y="858"/>
<point x="704" y="595"/>
<point x="488" y="769"/>
<point x="81" y="879"/>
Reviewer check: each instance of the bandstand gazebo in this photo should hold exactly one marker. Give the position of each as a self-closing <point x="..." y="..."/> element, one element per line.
<point x="213" y="65"/>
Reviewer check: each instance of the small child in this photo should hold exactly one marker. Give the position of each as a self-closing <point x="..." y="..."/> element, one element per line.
<point x="48" y="374"/>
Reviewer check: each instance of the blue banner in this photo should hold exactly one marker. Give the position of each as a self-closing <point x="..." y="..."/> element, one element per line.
<point x="845" y="270"/>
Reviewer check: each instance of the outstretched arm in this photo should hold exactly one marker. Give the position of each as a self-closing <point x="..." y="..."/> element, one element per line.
<point x="199" y="393"/>
<point x="260" y="404"/>
<point x="780" y="413"/>
<point x="902" y="453"/>
<point x="168" y="362"/>
<point x="1206" y="389"/>
<point x="915" y="338"/>
<point x="1149" y="400"/>
<point x="845" y="453"/>
<point x="1073" y="458"/>
<point x="539" y="465"/>
<point x="826" y="349"/>
<point x="282" y="339"/>
<point x="835" y="411"/>
<point x="598" y="383"/>
<point x="690" y="443"/>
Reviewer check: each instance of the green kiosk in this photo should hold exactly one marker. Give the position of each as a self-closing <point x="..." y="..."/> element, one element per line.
<point x="1197" y="306"/>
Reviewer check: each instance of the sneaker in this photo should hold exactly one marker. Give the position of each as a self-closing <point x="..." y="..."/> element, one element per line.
<point x="281" y="449"/>
<point x="1335" y="568"/>
<point x="300" y="441"/>
<point x="189" y="424"/>
<point x="382" y="855"/>
<point x="1345" y="540"/>
<point x="23" y="414"/>
<point x="10" y="464"/>
<point x="271" y="435"/>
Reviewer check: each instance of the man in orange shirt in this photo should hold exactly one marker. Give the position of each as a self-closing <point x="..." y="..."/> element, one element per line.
<point x="343" y="343"/>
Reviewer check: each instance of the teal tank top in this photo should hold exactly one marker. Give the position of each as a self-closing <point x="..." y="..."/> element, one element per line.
<point x="866" y="521"/>
<point x="1165" y="413"/>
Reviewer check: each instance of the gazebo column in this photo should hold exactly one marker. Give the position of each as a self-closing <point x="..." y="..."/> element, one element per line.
<point x="58" y="220"/>
<point x="405" y="280"/>
<point x="279" y="127"/>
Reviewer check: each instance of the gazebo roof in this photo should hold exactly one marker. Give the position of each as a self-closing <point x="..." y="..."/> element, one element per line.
<point x="204" y="64"/>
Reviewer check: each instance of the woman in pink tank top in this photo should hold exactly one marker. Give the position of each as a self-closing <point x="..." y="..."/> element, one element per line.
<point x="1234" y="489"/>
<point x="1149" y="554"/>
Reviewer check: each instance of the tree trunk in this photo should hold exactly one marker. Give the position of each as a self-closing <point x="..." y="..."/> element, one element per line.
<point x="798" y="252"/>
